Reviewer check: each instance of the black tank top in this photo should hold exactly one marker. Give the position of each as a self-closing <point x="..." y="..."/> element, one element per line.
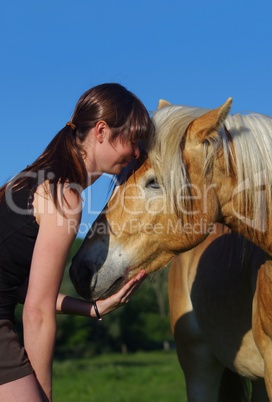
<point x="18" y="233"/>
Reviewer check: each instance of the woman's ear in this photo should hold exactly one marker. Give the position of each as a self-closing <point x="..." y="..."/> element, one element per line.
<point x="101" y="130"/>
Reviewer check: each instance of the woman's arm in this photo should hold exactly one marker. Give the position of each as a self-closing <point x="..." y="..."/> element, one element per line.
<point x="48" y="262"/>
<point x="74" y="306"/>
<point x="70" y="305"/>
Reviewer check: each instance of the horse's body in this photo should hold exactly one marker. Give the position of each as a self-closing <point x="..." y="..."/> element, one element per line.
<point x="211" y="289"/>
<point x="202" y="167"/>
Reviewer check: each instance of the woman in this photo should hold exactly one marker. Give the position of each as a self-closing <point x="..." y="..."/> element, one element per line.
<point x="36" y="209"/>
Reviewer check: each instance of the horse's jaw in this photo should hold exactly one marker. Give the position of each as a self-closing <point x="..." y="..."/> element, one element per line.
<point x="99" y="268"/>
<point x="107" y="260"/>
<point x="103" y="265"/>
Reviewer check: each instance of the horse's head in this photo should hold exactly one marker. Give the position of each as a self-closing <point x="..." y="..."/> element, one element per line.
<point x="136" y="230"/>
<point x="160" y="209"/>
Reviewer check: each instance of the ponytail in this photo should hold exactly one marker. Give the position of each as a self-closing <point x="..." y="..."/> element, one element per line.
<point x="60" y="162"/>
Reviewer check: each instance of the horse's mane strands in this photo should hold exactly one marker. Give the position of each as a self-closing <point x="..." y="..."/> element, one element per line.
<point x="165" y="150"/>
<point x="250" y="153"/>
<point x="252" y="139"/>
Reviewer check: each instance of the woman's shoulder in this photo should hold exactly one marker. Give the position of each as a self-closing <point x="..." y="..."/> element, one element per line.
<point x="70" y="196"/>
<point x="61" y="199"/>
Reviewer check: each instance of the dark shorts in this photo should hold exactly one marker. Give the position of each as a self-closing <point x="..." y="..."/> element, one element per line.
<point x="14" y="363"/>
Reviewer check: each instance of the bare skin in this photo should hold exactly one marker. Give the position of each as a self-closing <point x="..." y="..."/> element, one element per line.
<point x="52" y="245"/>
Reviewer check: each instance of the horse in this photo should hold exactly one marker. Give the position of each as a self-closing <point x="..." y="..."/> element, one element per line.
<point x="211" y="288"/>
<point x="202" y="166"/>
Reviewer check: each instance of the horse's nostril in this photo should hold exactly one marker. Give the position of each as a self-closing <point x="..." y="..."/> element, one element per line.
<point x="81" y="279"/>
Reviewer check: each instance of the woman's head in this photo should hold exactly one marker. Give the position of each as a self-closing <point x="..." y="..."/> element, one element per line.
<point x="63" y="159"/>
<point x="123" y="112"/>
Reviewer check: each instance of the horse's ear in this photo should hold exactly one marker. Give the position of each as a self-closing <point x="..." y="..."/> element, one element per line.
<point x="207" y="125"/>
<point x="162" y="103"/>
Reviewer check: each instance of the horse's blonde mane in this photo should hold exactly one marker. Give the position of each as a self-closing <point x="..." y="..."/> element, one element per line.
<point x="164" y="150"/>
<point x="252" y="139"/>
<point x="252" y="143"/>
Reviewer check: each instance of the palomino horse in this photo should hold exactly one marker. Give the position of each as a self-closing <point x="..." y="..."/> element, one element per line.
<point x="211" y="289"/>
<point x="202" y="167"/>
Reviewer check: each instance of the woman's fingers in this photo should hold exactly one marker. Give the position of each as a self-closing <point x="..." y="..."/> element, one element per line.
<point x="133" y="285"/>
<point x="123" y="295"/>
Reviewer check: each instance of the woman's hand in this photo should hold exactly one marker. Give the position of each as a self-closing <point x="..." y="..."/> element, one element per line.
<point x="123" y="296"/>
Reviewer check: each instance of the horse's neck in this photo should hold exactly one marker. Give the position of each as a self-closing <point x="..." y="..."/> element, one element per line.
<point x="251" y="221"/>
<point x="245" y="226"/>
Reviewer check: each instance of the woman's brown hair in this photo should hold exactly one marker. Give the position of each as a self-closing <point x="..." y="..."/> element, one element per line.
<point x="63" y="159"/>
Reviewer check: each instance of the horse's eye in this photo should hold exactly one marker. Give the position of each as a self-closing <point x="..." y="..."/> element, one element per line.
<point x="153" y="183"/>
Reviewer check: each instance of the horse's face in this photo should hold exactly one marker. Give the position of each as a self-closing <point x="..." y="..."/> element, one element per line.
<point x="136" y="230"/>
<point x="141" y="229"/>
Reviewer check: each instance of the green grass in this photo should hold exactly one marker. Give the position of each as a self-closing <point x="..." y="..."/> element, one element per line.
<point x="148" y="377"/>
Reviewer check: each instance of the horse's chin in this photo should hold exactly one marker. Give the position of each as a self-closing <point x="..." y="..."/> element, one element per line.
<point x="114" y="288"/>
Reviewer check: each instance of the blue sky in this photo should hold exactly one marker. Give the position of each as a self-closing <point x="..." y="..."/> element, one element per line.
<point x="189" y="52"/>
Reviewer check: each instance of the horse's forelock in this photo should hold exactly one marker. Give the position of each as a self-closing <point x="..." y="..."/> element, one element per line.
<point x="165" y="150"/>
